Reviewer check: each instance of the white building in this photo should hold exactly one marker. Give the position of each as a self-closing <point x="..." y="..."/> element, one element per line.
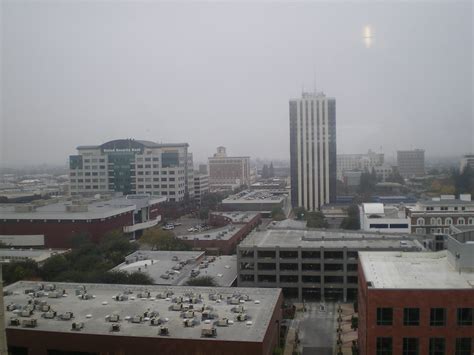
<point x="133" y="167"/>
<point x="313" y="150"/>
<point x="467" y="161"/>
<point x="377" y="217"/>
<point x="201" y="186"/>
<point x="349" y="162"/>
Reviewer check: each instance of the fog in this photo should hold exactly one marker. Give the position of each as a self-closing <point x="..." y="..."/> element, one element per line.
<point x="210" y="74"/>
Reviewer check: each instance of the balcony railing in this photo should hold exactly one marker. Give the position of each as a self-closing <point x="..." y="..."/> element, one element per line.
<point x="143" y="225"/>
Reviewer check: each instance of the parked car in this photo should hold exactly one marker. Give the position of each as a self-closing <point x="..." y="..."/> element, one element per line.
<point x="168" y="227"/>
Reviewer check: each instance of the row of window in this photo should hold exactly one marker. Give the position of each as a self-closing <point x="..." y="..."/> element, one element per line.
<point x="444" y="208"/>
<point x="293" y="254"/>
<point x="411" y="316"/>
<point x="447" y="221"/>
<point x="411" y="346"/>
<point x="295" y="279"/>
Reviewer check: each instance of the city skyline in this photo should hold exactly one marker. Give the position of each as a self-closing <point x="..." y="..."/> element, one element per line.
<point x="166" y="75"/>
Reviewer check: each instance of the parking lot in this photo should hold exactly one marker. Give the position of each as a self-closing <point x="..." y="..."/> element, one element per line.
<point x="186" y="223"/>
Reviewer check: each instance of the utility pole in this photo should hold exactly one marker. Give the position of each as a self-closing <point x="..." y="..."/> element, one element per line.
<point x="3" y="335"/>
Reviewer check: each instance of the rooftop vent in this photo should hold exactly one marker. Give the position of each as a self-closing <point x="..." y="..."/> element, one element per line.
<point x="66" y="316"/>
<point x="115" y="327"/>
<point x="14" y="322"/>
<point x="163" y="331"/>
<point x="77" y="326"/>
<point x="208" y="330"/>
<point x="29" y="323"/>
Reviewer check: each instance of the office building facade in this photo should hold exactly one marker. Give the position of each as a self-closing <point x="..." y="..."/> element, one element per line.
<point x="411" y="163"/>
<point x="133" y="167"/>
<point x="228" y="172"/>
<point x="313" y="150"/>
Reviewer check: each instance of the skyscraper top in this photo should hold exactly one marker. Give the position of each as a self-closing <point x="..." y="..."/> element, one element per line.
<point x="312" y="95"/>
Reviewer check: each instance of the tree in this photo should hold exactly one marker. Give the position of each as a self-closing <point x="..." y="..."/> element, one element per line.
<point x="463" y="181"/>
<point x="204" y="213"/>
<point x="396" y="177"/>
<point x="265" y="172"/>
<point x="352" y="220"/>
<point x="271" y="171"/>
<point x="159" y="239"/>
<point x="53" y="266"/>
<point x="278" y="214"/>
<point x="300" y="213"/>
<point x="202" y="281"/>
<point x="316" y="220"/>
<point x="20" y="270"/>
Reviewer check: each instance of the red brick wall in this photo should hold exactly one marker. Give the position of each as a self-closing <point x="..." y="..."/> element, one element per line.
<point x="58" y="234"/>
<point x="272" y="336"/>
<point x="371" y="299"/>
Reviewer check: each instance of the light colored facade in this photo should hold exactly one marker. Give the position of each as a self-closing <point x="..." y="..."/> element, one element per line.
<point x="467" y="161"/>
<point x="377" y="217"/>
<point x="133" y="167"/>
<point x="437" y="215"/>
<point x="411" y="163"/>
<point x="225" y="171"/>
<point x="383" y="172"/>
<point x="348" y="162"/>
<point x="201" y="186"/>
<point x="313" y="150"/>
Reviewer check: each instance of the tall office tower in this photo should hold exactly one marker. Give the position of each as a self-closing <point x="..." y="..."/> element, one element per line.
<point x="411" y="162"/>
<point x="313" y="150"/>
<point x="133" y="167"/>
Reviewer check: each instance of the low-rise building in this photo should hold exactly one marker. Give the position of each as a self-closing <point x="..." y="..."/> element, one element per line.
<point x="437" y="215"/>
<point x="37" y="255"/>
<point x="135" y="320"/>
<point x="311" y="264"/>
<point x="377" y="217"/>
<point x="257" y="200"/>
<point x="201" y="186"/>
<point x="53" y="223"/>
<point x="417" y="303"/>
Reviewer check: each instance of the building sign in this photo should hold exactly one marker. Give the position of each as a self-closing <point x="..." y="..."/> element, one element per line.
<point x="122" y="146"/>
<point x="122" y="150"/>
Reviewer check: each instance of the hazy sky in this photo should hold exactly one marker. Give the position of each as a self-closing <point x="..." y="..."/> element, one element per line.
<point x="210" y="74"/>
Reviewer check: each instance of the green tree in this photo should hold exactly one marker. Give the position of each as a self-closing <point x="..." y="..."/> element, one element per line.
<point x="54" y="266"/>
<point x="316" y="220"/>
<point x="204" y="213"/>
<point x="159" y="239"/>
<point x="278" y="214"/>
<point x="20" y="270"/>
<point x="352" y="220"/>
<point x="265" y="172"/>
<point x="271" y="171"/>
<point x="300" y="213"/>
<point x="202" y="281"/>
<point x="463" y="181"/>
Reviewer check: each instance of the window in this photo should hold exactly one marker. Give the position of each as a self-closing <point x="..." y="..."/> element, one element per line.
<point x="419" y="231"/>
<point x="439" y="221"/>
<point x="420" y="221"/>
<point x="384" y="346"/>
<point x="384" y="316"/>
<point x="437" y="346"/>
<point x="448" y="221"/>
<point x="410" y="345"/>
<point x="471" y="220"/>
<point x="438" y="317"/>
<point x="433" y="221"/>
<point x="463" y="346"/>
<point x="461" y="221"/>
<point x="464" y="316"/>
<point x="411" y="316"/>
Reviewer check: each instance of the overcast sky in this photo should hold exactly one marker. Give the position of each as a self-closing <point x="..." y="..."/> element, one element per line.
<point x="210" y="74"/>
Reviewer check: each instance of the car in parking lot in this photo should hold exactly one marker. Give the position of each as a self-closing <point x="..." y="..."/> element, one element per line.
<point x="168" y="226"/>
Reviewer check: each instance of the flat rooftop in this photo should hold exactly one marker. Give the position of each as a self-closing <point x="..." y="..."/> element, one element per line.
<point x="38" y="255"/>
<point x="237" y="217"/>
<point x="291" y="238"/>
<point x="255" y="196"/>
<point x="399" y="270"/>
<point x="159" y="265"/>
<point x="223" y="233"/>
<point x="223" y="269"/>
<point x="95" y="208"/>
<point x="259" y="306"/>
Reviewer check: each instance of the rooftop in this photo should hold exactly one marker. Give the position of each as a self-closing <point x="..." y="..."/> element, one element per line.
<point x="237" y="217"/>
<point x="255" y="196"/>
<point x="399" y="270"/>
<point x="223" y="233"/>
<point x="38" y="255"/>
<point x="317" y="238"/>
<point x="77" y="210"/>
<point x="96" y="312"/>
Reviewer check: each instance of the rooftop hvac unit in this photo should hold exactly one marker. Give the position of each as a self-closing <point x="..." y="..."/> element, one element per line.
<point x="163" y="330"/>
<point x="188" y="314"/>
<point x="77" y="325"/>
<point x="241" y="317"/>
<point x="245" y="298"/>
<point x="49" y="314"/>
<point x="150" y="314"/>
<point x="66" y="316"/>
<point x="215" y="296"/>
<point x="137" y="319"/>
<point x="120" y="297"/>
<point x="176" y="307"/>
<point x="208" y="330"/>
<point x="189" y="322"/>
<point x="29" y="290"/>
<point x="43" y="307"/>
<point x="178" y="299"/>
<point x="50" y="287"/>
<point x="54" y="294"/>
<point x="234" y="301"/>
<point x="208" y="314"/>
<point x="156" y="321"/>
<point x="29" y="323"/>
<point x="11" y="307"/>
<point x="85" y="296"/>
<point x="26" y="313"/>
<point x="238" y="309"/>
<point x="224" y="322"/>
<point x="145" y="294"/>
<point x="112" y="318"/>
<point x="39" y="294"/>
<point x="115" y="327"/>
<point x="14" y="322"/>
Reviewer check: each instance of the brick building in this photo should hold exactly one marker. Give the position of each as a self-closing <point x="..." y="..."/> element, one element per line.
<point x="416" y="303"/>
<point x="86" y="319"/>
<point x="228" y="172"/>
<point x="53" y="225"/>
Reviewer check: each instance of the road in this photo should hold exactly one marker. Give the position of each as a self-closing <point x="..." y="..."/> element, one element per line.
<point x="317" y="329"/>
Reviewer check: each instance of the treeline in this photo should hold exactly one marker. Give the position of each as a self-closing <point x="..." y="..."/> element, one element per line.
<point x="86" y="262"/>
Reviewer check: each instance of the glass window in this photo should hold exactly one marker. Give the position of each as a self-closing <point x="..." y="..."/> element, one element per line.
<point x="411" y="346"/>
<point x="384" y="346"/>
<point x="411" y="316"/>
<point x="463" y="346"/>
<point x="384" y="316"/>
<point x="464" y="316"/>
<point x="438" y="317"/>
<point x="437" y="346"/>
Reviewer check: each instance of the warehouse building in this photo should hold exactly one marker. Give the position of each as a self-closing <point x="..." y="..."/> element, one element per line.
<point x="67" y="318"/>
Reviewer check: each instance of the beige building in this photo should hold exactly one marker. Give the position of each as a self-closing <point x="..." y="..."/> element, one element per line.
<point x="228" y="172"/>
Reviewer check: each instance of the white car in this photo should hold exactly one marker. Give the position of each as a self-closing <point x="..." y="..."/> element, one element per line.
<point x="192" y="229"/>
<point x="168" y="227"/>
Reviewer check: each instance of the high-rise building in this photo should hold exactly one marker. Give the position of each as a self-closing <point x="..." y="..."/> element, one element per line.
<point x="228" y="172"/>
<point x="467" y="161"/>
<point x="133" y="167"/>
<point x="411" y="162"/>
<point x="313" y="150"/>
<point x="201" y="186"/>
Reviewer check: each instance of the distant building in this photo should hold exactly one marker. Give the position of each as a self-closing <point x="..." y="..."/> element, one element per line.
<point x="228" y="172"/>
<point x="351" y="178"/>
<point x="201" y="186"/>
<point x="377" y="217"/>
<point x="417" y="303"/>
<point x="348" y="162"/>
<point x="53" y="224"/>
<point x="203" y="169"/>
<point x="257" y="200"/>
<point x="437" y="215"/>
<point x="133" y="167"/>
<point x="383" y="172"/>
<point x="467" y="161"/>
<point x="37" y="255"/>
<point x="308" y="264"/>
<point x="313" y="150"/>
<point x="77" y="318"/>
<point x="411" y="163"/>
